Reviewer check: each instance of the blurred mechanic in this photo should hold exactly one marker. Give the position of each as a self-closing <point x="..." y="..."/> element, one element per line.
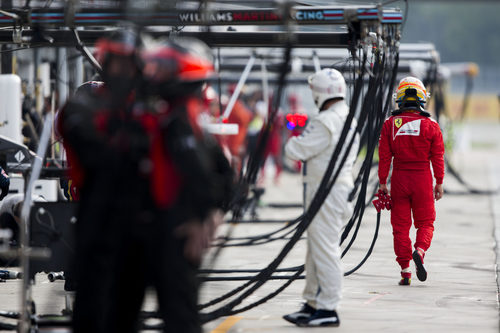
<point x="97" y="170"/>
<point x="4" y="184"/>
<point x="315" y="147"/>
<point x="412" y="141"/>
<point x="150" y="188"/>
<point x="69" y="186"/>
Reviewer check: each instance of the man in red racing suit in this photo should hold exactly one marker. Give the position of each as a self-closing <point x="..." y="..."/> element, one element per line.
<point x="410" y="140"/>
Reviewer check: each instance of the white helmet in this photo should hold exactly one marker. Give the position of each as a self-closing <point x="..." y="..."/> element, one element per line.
<point x="326" y="84"/>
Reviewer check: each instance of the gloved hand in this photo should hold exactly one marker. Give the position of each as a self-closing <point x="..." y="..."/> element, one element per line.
<point x="199" y="235"/>
<point x="384" y="201"/>
<point x="4" y="184"/>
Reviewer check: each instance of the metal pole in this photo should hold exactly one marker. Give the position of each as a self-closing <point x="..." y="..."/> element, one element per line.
<point x="6" y="57"/>
<point x="240" y="84"/>
<point x="317" y="65"/>
<point x="6" y="60"/>
<point x="265" y="85"/>
<point x="78" y="72"/>
<point x="25" y="322"/>
<point x="38" y="94"/>
<point x="62" y="75"/>
<point x="53" y="115"/>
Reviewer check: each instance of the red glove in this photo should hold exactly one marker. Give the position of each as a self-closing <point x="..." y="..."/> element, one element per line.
<point x="383" y="201"/>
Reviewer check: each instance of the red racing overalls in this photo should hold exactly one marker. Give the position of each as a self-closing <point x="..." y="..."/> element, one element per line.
<point x="412" y="142"/>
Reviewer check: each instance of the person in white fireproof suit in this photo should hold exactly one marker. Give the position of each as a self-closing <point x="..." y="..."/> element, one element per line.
<point x="315" y="147"/>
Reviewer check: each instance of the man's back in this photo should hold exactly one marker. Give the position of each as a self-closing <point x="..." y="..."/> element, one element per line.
<point x="413" y="140"/>
<point x="319" y="140"/>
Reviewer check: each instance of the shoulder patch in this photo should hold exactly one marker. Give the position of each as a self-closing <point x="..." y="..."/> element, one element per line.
<point x="398" y="122"/>
<point x="410" y="128"/>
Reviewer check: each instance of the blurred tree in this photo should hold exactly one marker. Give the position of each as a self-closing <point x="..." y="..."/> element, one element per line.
<point x="461" y="31"/>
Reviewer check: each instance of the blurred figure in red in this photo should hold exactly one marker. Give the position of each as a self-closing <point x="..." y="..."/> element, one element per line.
<point x="294" y="104"/>
<point x="274" y="146"/>
<point x="259" y="108"/>
<point x="212" y="106"/>
<point x="295" y="108"/>
<point x="242" y="116"/>
<point x="96" y="166"/>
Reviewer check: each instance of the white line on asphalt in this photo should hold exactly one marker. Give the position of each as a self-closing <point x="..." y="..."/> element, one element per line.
<point x="374" y="298"/>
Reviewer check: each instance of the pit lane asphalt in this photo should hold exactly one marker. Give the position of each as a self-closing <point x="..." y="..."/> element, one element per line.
<point x="460" y="294"/>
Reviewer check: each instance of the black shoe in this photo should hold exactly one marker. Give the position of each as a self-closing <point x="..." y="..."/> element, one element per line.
<point x="419" y="263"/>
<point x="303" y="314"/>
<point x="320" y="318"/>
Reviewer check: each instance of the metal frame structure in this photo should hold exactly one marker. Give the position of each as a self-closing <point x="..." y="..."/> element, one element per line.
<point x="300" y="15"/>
<point x="235" y="60"/>
<point x="27" y="26"/>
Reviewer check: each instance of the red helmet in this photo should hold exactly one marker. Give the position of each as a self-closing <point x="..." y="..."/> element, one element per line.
<point x="176" y="65"/>
<point x="124" y="42"/>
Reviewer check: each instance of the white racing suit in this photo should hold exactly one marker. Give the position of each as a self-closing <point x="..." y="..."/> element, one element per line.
<point x="315" y="146"/>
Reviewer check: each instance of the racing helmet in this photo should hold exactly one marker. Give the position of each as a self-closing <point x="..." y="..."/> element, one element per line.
<point x="327" y="84"/>
<point x="121" y="65"/>
<point x="124" y="42"/>
<point x="410" y="89"/>
<point x="177" y="66"/>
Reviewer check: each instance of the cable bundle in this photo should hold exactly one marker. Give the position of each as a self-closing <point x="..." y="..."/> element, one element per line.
<point x="373" y="111"/>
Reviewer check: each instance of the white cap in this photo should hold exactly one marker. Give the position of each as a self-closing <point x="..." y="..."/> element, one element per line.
<point x="326" y="84"/>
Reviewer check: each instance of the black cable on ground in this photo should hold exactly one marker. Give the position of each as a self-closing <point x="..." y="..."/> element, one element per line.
<point x="246" y="278"/>
<point x="7" y="327"/>
<point x="269" y="296"/>
<point x="287" y="221"/>
<point x="298" y="269"/>
<point x="230" y="271"/>
<point x="261" y="241"/>
<point x="267" y="235"/>
<point x="248" y="240"/>
<point x="372" y="245"/>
